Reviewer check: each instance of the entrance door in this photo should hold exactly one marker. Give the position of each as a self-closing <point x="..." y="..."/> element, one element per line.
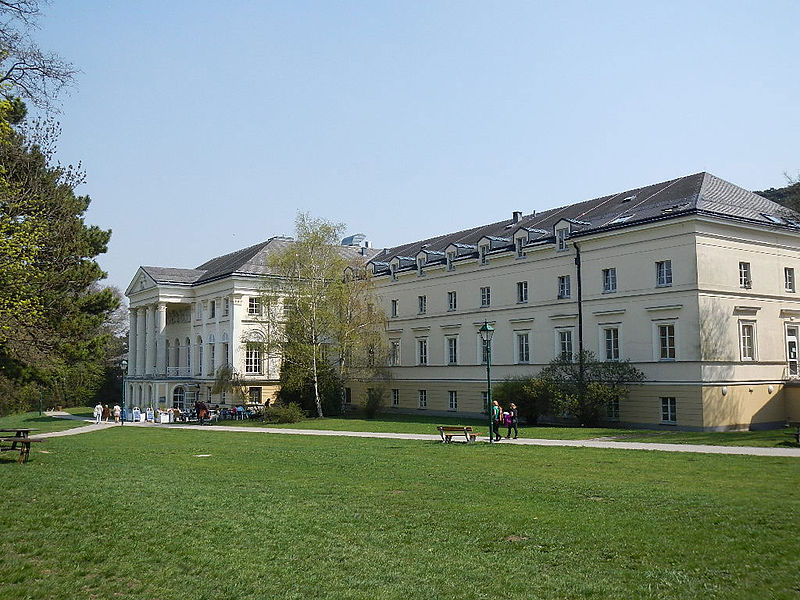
<point x="791" y="350"/>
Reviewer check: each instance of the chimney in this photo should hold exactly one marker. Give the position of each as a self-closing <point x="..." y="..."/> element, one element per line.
<point x="517" y="217"/>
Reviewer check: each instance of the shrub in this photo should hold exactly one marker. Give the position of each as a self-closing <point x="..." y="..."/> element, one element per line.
<point x="531" y="395"/>
<point x="284" y="413"/>
<point x="374" y="402"/>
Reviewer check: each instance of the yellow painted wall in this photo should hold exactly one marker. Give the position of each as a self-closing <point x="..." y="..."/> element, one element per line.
<point x="744" y="405"/>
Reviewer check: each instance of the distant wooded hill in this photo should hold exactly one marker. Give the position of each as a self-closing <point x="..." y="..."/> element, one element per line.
<point x="788" y="196"/>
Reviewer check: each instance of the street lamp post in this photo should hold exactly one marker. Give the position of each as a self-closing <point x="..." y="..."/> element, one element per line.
<point x="124" y="366"/>
<point x="486" y="335"/>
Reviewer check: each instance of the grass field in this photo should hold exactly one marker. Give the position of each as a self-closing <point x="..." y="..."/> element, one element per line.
<point x="136" y="513"/>
<point x="42" y="424"/>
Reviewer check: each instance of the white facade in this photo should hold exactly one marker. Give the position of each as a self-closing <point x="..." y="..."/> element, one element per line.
<point x="693" y="280"/>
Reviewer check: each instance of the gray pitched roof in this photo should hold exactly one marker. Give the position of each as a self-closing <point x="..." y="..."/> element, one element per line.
<point x="701" y="193"/>
<point x="247" y="261"/>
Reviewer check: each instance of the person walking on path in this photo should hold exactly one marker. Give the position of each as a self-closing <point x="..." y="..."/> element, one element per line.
<point x="98" y="413"/>
<point x="513" y="421"/>
<point x="106" y="413"/>
<point x="497" y="414"/>
<point x="117" y="413"/>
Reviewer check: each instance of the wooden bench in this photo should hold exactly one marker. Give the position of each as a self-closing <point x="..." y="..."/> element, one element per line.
<point x="447" y="433"/>
<point x="24" y="446"/>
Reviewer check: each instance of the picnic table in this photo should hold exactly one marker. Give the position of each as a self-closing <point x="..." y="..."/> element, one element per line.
<point x="21" y="441"/>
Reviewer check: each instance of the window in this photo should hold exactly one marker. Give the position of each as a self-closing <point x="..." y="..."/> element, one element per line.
<point x="225" y="353"/>
<point x="422" y="352"/>
<point x="348" y="396"/>
<point x="561" y="239"/>
<point x="212" y="351"/>
<point x="485" y="401"/>
<point x="564" y="348"/>
<point x="522" y="291"/>
<point x="199" y="357"/>
<point x="520" y="244"/>
<point x="423" y="398"/>
<point x="612" y="409"/>
<point x="198" y="313"/>
<point x="451" y="301"/>
<point x="669" y="411"/>
<point x="420" y="266"/>
<point x="664" y="273"/>
<point x="523" y="348"/>
<point x="254" y="395"/>
<point x="452" y="400"/>
<point x="252" y="359"/>
<point x="483" y="251"/>
<point x="452" y="350"/>
<point x="395" y="397"/>
<point x="226" y="307"/>
<point x="451" y="257"/>
<point x="666" y="342"/>
<point x="422" y="304"/>
<point x="254" y="306"/>
<point x="486" y="297"/>
<point x="788" y="279"/>
<point x="609" y="280"/>
<point x="747" y="340"/>
<point x="744" y="275"/>
<point x="394" y="353"/>
<point x="213" y="309"/>
<point x="611" y="336"/>
<point x="393" y="270"/>
<point x="563" y="287"/>
<point x="394" y="308"/>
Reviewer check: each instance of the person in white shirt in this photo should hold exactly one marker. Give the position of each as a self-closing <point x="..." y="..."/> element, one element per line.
<point x="98" y="413"/>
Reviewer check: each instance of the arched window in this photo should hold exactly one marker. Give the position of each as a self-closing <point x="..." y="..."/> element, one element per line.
<point x="166" y="355"/>
<point x="178" y="397"/>
<point x="178" y="354"/>
<point x="188" y="356"/>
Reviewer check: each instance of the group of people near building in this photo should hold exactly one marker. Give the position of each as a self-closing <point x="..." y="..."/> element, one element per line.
<point x="103" y="413"/>
<point x="504" y="418"/>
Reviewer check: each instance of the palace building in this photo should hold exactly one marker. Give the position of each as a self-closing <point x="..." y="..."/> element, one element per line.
<point x="186" y="323"/>
<point x="693" y="280"/>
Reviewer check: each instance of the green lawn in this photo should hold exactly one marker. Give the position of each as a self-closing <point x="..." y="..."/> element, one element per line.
<point x="134" y="513"/>
<point x="43" y="424"/>
<point x="411" y="423"/>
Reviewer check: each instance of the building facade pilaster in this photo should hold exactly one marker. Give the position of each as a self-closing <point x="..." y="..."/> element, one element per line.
<point x="140" y="340"/>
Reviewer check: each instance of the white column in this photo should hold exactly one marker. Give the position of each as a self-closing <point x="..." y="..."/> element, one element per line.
<point x="150" y="341"/>
<point x="140" y="340"/>
<point x="132" y="342"/>
<point x="161" y="338"/>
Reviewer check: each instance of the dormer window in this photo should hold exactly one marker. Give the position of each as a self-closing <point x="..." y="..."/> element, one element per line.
<point x="420" y="266"/>
<point x="393" y="270"/>
<point x="451" y="257"/>
<point x="561" y="239"/>
<point x="483" y="251"/>
<point x="520" y="243"/>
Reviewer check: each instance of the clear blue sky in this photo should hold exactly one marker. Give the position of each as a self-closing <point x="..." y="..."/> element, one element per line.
<point x="205" y="126"/>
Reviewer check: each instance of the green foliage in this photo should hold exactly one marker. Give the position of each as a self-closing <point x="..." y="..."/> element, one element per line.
<point x="284" y="413"/>
<point x="297" y="387"/>
<point x="531" y="395"/>
<point x="52" y="311"/>
<point x="583" y="387"/>
<point x="374" y="401"/>
<point x="228" y="381"/>
<point x="321" y="313"/>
